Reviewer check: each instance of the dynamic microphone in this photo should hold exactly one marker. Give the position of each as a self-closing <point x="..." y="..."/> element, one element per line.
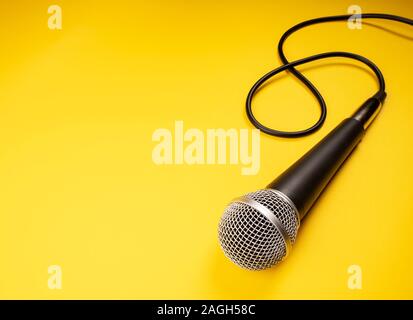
<point x="258" y="229"/>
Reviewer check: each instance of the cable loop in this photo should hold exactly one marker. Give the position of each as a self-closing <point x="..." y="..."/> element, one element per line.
<point x="290" y="66"/>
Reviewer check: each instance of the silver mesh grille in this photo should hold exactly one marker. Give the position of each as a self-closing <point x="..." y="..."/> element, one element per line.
<point x="249" y="238"/>
<point x="281" y="209"/>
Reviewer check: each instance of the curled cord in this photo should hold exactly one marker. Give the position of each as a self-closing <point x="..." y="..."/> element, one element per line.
<point x="287" y="65"/>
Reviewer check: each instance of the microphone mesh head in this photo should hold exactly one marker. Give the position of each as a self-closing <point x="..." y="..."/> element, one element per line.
<point x="256" y="230"/>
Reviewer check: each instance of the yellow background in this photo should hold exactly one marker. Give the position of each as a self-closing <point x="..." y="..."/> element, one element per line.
<point x="78" y="187"/>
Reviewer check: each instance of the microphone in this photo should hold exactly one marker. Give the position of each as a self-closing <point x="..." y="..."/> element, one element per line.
<point x="258" y="229"/>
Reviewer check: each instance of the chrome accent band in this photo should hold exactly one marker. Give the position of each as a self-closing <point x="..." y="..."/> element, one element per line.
<point x="270" y="216"/>
<point x="372" y="117"/>
<point x="290" y="202"/>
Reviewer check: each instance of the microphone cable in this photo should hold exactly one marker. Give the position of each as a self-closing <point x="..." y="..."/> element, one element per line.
<point x="290" y="66"/>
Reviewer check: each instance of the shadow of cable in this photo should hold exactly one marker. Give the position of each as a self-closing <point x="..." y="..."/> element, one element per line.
<point x="396" y="33"/>
<point x="318" y="66"/>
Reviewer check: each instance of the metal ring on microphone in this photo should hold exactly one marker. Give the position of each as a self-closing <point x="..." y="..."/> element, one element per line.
<point x="270" y="216"/>
<point x="290" y="202"/>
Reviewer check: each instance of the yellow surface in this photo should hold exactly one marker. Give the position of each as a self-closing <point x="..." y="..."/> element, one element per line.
<point x="78" y="185"/>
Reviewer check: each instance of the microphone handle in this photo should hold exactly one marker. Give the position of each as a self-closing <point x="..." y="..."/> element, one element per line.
<point x="304" y="181"/>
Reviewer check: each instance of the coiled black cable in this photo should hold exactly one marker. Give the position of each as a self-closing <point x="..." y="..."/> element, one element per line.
<point x="287" y="65"/>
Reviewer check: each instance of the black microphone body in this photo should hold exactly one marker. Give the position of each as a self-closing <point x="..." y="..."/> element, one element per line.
<point x="305" y="180"/>
<point x="258" y="229"/>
